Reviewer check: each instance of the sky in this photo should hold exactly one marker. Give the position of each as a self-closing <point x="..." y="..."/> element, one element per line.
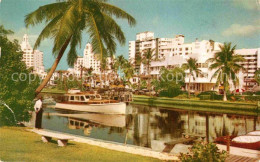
<point x="236" y="21"/>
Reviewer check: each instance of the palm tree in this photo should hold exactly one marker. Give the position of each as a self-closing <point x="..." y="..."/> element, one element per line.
<point x="137" y="61"/>
<point x="67" y="19"/>
<point x="148" y="56"/>
<point x="128" y="70"/>
<point x="257" y="76"/>
<point x="227" y="66"/>
<point x="193" y="70"/>
<point x="4" y="32"/>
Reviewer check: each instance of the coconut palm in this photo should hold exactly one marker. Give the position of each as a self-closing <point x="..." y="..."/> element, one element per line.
<point x="67" y="19"/>
<point x="193" y="70"/>
<point x="257" y="76"/>
<point x="226" y="64"/>
<point x="128" y="70"/>
<point x="148" y="56"/>
<point x="4" y="32"/>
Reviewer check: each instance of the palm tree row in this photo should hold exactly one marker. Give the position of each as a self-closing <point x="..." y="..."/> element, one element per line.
<point x="67" y="19"/>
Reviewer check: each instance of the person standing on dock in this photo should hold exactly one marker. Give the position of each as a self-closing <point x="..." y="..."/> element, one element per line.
<point x="38" y="110"/>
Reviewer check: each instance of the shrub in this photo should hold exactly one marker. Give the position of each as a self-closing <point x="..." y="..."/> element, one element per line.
<point x="204" y="152"/>
<point x="248" y="93"/>
<point x="252" y="98"/>
<point x="213" y="95"/>
<point x="207" y="93"/>
<point x="171" y="92"/>
<point x="257" y="93"/>
<point x="204" y="97"/>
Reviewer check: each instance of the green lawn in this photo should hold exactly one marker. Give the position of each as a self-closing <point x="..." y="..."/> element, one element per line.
<point x="49" y="90"/>
<point x="17" y="144"/>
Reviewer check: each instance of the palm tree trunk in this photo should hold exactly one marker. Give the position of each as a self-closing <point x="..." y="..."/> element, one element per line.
<point x="189" y="87"/>
<point x="149" y="81"/>
<point x="53" y="68"/>
<point x="225" y="95"/>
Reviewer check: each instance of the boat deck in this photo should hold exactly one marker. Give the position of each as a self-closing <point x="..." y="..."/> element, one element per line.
<point x="236" y="158"/>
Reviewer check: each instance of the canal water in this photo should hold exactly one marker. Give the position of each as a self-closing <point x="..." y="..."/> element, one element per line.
<point x="148" y="126"/>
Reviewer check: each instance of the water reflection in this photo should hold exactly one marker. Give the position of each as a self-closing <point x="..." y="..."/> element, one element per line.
<point x="149" y="126"/>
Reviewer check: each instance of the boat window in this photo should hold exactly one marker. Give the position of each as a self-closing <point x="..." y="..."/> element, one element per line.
<point x="87" y="97"/>
<point x="92" y="97"/>
<point x="77" y="98"/>
<point x="82" y="98"/>
<point x="71" y="122"/>
<point x="81" y="124"/>
<point x="71" y="97"/>
<point x="76" y="123"/>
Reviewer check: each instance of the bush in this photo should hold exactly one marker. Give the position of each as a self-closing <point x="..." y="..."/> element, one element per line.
<point x="171" y="92"/>
<point x="252" y="98"/>
<point x="257" y="93"/>
<point x="204" y="97"/>
<point x="248" y="93"/>
<point x="204" y="152"/>
<point x="213" y="95"/>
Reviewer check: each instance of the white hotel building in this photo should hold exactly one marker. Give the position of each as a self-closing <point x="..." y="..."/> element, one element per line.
<point x="173" y="52"/>
<point x="32" y="58"/>
<point x="89" y="60"/>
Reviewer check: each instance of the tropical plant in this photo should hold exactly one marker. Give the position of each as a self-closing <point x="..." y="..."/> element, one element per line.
<point x="193" y="70"/>
<point x="204" y="152"/>
<point x="257" y="76"/>
<point x="16" y="83"/>
<point x="4" y="32"/>
<point x="226" y="64"/>
<point x="67" y="19"/>
<point x="147" y="57"/>
<point x="170" y="82"/>
<point x="128" y="70"/>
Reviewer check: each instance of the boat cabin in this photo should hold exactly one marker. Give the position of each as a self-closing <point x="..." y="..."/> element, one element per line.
<point x="82" y="97"/>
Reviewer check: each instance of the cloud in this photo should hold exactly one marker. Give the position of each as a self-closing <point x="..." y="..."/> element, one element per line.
<point x="247" y="4"/>
<point x="242" y="30"/>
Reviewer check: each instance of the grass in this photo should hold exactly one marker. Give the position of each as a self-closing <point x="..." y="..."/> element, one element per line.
<point x="50" y="90"/>
<point x="17" y="144"/>
<point x="198" y="105"/>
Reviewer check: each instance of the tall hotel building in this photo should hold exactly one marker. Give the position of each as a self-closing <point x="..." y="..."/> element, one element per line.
<point x="173" y="52"/>
<point x="32" y="58"/>
<point x="89" y="60"/>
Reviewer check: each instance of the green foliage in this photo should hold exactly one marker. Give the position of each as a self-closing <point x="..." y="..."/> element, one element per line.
<point x="170" y="82"/>
<point x="257" y="93"/>
<point x="226" y="64"/>
<point x="67" y="20"/>
<point x="65" y="83"/>
<point x="248" y="93"/>
<point x="204" y="152"/>
<point x="210" y="95"/>
<point x="252" y="98"/>
<point x="143" y="84"/>
<point x="17" y="93"/>
<point x="204" y="97"/>
<point x="257" y="76"/>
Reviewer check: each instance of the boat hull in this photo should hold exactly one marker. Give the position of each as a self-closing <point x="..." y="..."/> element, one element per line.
<point x="107" y="108"/>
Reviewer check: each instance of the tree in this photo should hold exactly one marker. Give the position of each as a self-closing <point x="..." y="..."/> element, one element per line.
<point x="148" y="56"/>
<point x="257" y="76"/>
<point x="170" y="82"/>
<point x="226" y="64"/>
<point x="17" y="84"/>
<point x="67" y="19"/>
<point x="128" y="70"/>
<point x="193" y="70"/>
